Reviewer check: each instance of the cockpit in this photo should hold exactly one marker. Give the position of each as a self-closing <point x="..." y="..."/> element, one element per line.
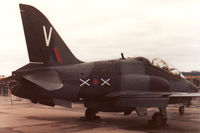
<point x="161" y="64"/>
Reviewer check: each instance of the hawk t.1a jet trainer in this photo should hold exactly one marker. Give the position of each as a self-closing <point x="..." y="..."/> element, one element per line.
<point x="55" y="76"/>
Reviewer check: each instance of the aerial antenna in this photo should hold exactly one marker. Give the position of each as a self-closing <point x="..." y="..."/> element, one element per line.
<point x="122" y="55"/>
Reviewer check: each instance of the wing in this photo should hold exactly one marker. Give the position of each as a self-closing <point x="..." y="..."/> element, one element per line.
<point x="154" y="94"/>
<point x="150" y="98"/>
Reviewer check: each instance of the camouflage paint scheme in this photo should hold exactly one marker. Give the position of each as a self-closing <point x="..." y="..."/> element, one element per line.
<point x="55" y="76"/>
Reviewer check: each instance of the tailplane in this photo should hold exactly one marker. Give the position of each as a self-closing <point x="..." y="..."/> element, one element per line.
<point x="43" y="42"/>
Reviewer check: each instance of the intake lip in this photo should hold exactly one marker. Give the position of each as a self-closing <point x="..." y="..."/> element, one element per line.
<point x="159" y="84"/>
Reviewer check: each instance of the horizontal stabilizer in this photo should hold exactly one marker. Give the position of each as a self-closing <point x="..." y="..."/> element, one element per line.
<point x="48" y="80"/>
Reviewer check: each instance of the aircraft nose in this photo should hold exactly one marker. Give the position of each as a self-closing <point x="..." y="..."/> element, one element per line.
<point x="193" y="87"/>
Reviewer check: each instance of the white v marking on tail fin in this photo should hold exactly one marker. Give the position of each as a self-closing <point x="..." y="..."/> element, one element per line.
<point x="47" y="39"/>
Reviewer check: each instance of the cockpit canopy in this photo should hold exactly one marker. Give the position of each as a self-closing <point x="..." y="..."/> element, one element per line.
<point x="161" y="64"/>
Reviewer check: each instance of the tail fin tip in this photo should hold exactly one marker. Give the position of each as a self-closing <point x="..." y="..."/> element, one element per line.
<point x="43" y="42"/>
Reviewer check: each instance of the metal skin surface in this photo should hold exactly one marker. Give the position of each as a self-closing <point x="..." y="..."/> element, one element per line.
<point x="54" y="74"/>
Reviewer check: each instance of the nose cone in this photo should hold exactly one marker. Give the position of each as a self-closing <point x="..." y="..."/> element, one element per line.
<point x="192" y="87"/>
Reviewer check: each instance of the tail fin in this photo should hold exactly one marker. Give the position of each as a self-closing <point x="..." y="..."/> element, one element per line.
<point x="43" y="42"/>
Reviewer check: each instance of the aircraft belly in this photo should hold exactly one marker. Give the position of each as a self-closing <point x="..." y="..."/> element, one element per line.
<point x="126" y="104"/>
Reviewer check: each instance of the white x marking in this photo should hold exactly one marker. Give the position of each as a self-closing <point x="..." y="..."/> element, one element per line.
<point x="85" y="82"/>
<point x="105" y="82"/>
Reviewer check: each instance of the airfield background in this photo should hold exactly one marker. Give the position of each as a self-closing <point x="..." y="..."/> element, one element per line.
<point x="193" y="76"/>
<point x="4" y="87"/>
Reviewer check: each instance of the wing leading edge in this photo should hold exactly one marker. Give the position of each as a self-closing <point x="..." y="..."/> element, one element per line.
<point x="152" y="94"/>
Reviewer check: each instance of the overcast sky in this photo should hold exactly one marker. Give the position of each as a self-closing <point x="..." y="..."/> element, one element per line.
<point x="102" y="29"/>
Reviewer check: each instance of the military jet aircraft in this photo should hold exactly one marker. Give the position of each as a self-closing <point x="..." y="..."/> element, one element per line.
<point x="55" y="76"/>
